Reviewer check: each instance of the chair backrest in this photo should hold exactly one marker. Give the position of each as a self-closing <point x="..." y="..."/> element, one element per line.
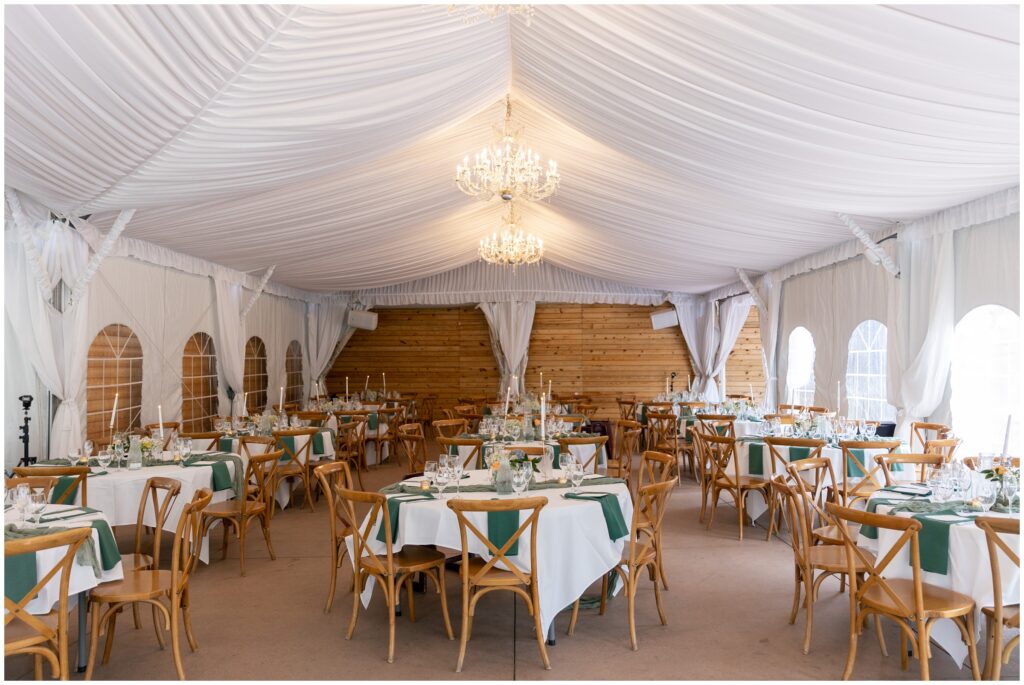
<point x="450" y="428"/>
<point x="426" y="408"/>
<point x="691" y="407"/>
<point x="315" y="418"/>
<point x="161" y="493"/>
<point x="289" y="407"/>
<point x="721" y="424"/>
<point x="590" y="448"/>
<point x="295" y="451"/>
<point x="390" y="416"/>
<point x="779" y="462"/>
<point x="800" y="516"/>
<point x="43" y="484"/>
<point x="739" y="396"/>
<point x="921" y="461"/>
<point x="79" y="482"/>
<point x="499" y="555"/>
<point x="791" y="408"/>
<point x="154" y="428"/>
<point x="922" y="432"/>
<point x="451" y="446"/>
<point x="260" y="470"/>
<point x="414" y="445"/>
<point x="627" y="409"/>
<point x="626" y="443"/>
<point x="662" y="427"/>
<point x="655" y="467"/>
<point x="648" y="515"/>
<point x="998" y="547"/>
<point x="333" y="477"/>
<point x="587" y="410"/>
<point x="810" y="409"/>
<point x="815" y="481"/>
<point x="346" y="500"/>
<point x="721" y="453"/>
<point x="253" y="445"/>
<point x="14" y="607"/>
<point x="944" y="447"/>
<point x="874" y="569"/>
<point x="188" y="540"/>
<point x="204" y="440"/>
<point x="861" y="486"/>
<point x="787" y="419"/>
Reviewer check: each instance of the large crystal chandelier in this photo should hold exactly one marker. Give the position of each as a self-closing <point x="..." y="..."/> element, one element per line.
<point x="471" y="13"/>
<point x="507" y="168"/>
<point x="512" y="247"/>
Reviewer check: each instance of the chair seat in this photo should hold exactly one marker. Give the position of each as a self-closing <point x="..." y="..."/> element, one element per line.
<point x="745" y="483"/>
<point x="136" y="562"/>
<point x="830" y="535"/>
<point x="1011" y="614"/>
<point x="290" y="469"/>
<point x="832" y="558"/>
<point x="18" y="634"/>
<point x="410" y="558"/>
<point x="133" y="587"/>
<point x="938" y="602"/>
<point x="495" y="576"/>
<point x="232" y="508"/>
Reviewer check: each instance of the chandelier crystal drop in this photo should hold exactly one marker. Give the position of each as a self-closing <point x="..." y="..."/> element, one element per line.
<point x="512" y="247"/>
<point x="508" y="169"/>
<point x="473" y="13"/>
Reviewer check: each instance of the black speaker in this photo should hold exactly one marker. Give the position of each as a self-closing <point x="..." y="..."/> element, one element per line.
<point x="886" y="429"/>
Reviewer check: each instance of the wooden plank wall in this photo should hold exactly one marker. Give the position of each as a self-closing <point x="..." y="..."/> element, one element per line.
<point x="744" y="367"/>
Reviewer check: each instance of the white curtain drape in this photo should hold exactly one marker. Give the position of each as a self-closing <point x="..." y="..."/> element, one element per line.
<point x="510" y="324"/>
<point x="732" y="314"/>
<point x="768" y="324"/>
<point x="55" y="344"/>
<point x="230" y="339"/>
<point x="325" y="324"/>
<point x="697" y="322"/>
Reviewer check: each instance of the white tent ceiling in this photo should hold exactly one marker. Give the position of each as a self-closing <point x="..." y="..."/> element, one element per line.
<point x="691" y="139"/>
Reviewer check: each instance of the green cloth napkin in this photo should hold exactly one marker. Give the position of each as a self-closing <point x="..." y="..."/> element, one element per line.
<point x="64" y="484"/>
<point x="394" y="503"/>
<point x="900" y="489"/>
<point x="871" y="532"/>
<point x="411" y="488"/>
<point x="501" y="525"/>
<point x="617" y="527"/>
<point x="222" y="477"/>
<point x="755" y="459"/>
<point x="226" y="444"/>
<point x="318" y="440"/>
<point x="934" y="539"/>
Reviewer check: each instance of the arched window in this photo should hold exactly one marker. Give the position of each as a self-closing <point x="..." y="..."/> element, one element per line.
<point x="254" y="382"/>
<point x="293" y="372"/>
<point x="985" y="380"/>
<point x="865" y="373"/>
<point x="198" y="384"/>
<point x="113" y="367"/>
<point x="800" y="377"/>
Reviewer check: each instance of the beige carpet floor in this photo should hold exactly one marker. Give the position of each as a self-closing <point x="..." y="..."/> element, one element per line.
<point x="727" y="606"/>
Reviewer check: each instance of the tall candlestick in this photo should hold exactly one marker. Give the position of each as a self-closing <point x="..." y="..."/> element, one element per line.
<point x="366" y="386"/>
<point x="543" y="416"/>
<point x="245" y="403"/>
<point x="838" y="400"/>
<point x="317" y="386"/>
<point x="1006" y="439"/>
<point x="666" y="384"/>
<point x="687" y="382"/>
<point x="113" y="412"/>
<point x="549" y="390"/>
<point x="542" y="383"/>
<point x="384" y="383"/>
<point x="280" y="402"/>
<point x="508" y="396"/>
<point x="160" y="418"/>
<point x="751" y="387"/>
<point x="346" y="388"/>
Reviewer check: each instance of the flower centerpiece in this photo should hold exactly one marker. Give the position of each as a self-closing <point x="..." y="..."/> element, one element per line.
<point x="520" y="458"/>
<point x="997" y="472"/>
<point x="803" y="423"/>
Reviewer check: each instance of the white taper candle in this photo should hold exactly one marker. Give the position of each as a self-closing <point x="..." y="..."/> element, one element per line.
<point x="113" y="412"/>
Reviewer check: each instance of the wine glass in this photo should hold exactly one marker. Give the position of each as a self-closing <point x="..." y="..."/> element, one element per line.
<point x="21" y="497"/>
<point x="870" y="430"/>
<point x="962" y="482"/>
<point x="1010" y="487"/>
<point x="103" y="458"/>
<point x="430" y="471"/>
<point x="118" y="455"/>
<point x="36" y="504"/>
<point x="933" y="476"/>
<point x="73" y="455"/>
<point x="576" y="475"/>
<point x="88" y="446"/>
<point x="985" y="492"/>
<point x="456" y="470"/>
<point x="943" y="489"/>
<point x="441" y="480"/>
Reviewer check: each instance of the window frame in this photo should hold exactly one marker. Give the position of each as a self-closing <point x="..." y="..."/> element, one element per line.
<point x="859" y="404"/>
<point x="255" y="378"/>
<point x="99" y="401"/>
<point x="199" y="391"/>
<point x="293" y="385"/>
<point x="803" y="394"/>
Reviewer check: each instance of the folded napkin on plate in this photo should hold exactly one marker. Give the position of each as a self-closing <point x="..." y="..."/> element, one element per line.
<point x="394" y="505"/>
<point x="613" y="519"/>
<point x="908" y="489"/>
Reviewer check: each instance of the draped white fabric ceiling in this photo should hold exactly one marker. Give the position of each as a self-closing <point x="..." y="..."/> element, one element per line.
<point x="691" y="139"/>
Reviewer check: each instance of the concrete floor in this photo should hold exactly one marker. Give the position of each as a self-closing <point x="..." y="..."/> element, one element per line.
<point x="727" y="608"/>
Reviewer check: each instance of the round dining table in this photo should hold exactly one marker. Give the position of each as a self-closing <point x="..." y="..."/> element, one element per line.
<point x="574" y="548"/>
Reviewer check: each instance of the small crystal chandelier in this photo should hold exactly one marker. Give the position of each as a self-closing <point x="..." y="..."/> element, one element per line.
<point x="472" y="13"/>
<point x="512" y="247"/>
<point x="507" y="169"/>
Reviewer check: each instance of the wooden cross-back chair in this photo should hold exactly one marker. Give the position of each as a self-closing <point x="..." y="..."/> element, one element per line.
<point x="333" y="477"/>
<point x="388" y="423"/>
<point x="588" y="411"/>
<point x="998" y="616"/>
<point x="348" y="447"/>
<point x="289" y="407"/>
<point x="295" y="462"/>
<point x="414" y="446"/>
<point x="317" y="419"/>
<point x="482" y="576"/>
<point x="721" y="451"/>
<point x="43" y="484"/>
<point x="921" y="432"/>
<point x="702" y="468"/>
<point x="811" y="409"/>
<point x="170" y="429"/>
<point x="239" y="513"/>
<point x="590" y="447"/>
<point x="656" y="467"/>
<point x="451" y="446"/>
<point x="921" y="461"/>
<point x="778" y="468"/>
<point x="43" y="637"/>
<point x="784" y="419"/>
<point x="450" y="428"/>
<point x="808" y="557"/>
<point x="625" y="444"/>
<point x="426" y="406"/>
<point x="203" y="440"/>
<point x="154" y="587"/>
<point x="663" y="433"/>
<point x="908" y="602"/>
<point x="643" y="553"/>
<point x="814" y="480"/>
<point x="720" y="424"/>
<point x="356" y="449"/>
<point x="791" y="408"/>
<point x="856" y="488"/>
<point x="944" y="447"/>
<point x="627" y="409"/>
<point x="391" y="569"/>
<point x="78" y="486"/>
<point x="740" y="397"/>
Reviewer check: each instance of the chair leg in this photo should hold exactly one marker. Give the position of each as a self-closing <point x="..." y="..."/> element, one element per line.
<point x="409" y="599"/>
<point x="630" y="588"/>
<point x="391" y="590"/>
<point x="541" y="637"/>
<point x="797" y="587"/>
<point x="661" y="567"/>
<point x="97" y="609"/>
<point x="604" y="594"/>
<point x="334" y="578"/>
<point x="357" y="580"/>
<point x="880" y="635"/>
<point x="739" y="509"/>
<point x="990" y="648"/>
<point x="186" y="614"/>
<point x="265" y="523"/>
<point x="809" y="627"/>
<point x="657" y="596"/>
<point x="243" y="526"/>
<point x="972" y="649"/>
<point x="771" y="518"/>
<point x="467" y="618"/>
<point x="903" y="649"/>
<point x="176" y="638"/>
<point x="922" y="649"/>
<point x="851" y="653"/>
<point x="715" y="493"/>
<point x="575" y="617"/>
<point x="109" y="643"/>
<point x="444" y="602"/>
<point x="156" y="627"/>
<point x="136" y="615"/>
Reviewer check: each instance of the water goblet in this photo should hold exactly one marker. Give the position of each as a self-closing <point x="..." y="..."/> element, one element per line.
<point x="441" y="480"/>
<point x="870" y="430"/>
<point x="576" y="476"/>
<point x="118" y="455"/>
<point x="456" y="469"/>
<point x="36" y="504"/>
<point x="1010" y="487"/>
<point x="985" y="493"/>
<point x="103" y="458"/>
<point x="521" y="478"/>
<point x="88" y="446"/>
<point x="430" y="470"/>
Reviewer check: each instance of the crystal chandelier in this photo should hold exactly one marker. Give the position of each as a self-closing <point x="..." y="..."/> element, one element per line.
<point x="512" y="247"/>
<point x="507" y="169"/>
<point x="472" y="13"/>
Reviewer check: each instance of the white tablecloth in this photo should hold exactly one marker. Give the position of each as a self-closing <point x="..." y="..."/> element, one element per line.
<point x="572" y="539"/>
<point x="82" y="577"/>
<point x="970" y="573"/>
<point x="284" y="489"/>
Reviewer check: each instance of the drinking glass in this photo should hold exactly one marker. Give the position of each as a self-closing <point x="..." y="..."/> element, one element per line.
<point x="118" y="455"/>
<point x="88" y="446"/>
<point x="962" y="482"/>
<point x="943" y="490"/>
<point x="933" y="475"/>
<point x="1010" y="487"/>
<point x="21" y="497"/>
<point x="103" y="458"/>
<point x="985" y="492"/>
<point x="441" y="480"/>
<point x="576" y="475"/>
<point x="36" y="504"/>
<point x="430" y="471"/>
<point x="74" y="454"/>
<point x="521" y="478"/>
<point x="456" y="469"/>
<point x="870" y="430"/>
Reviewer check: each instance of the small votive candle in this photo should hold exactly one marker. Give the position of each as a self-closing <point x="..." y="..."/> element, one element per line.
<point x="562" y="480"/>
<point x="425" y="485"/>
